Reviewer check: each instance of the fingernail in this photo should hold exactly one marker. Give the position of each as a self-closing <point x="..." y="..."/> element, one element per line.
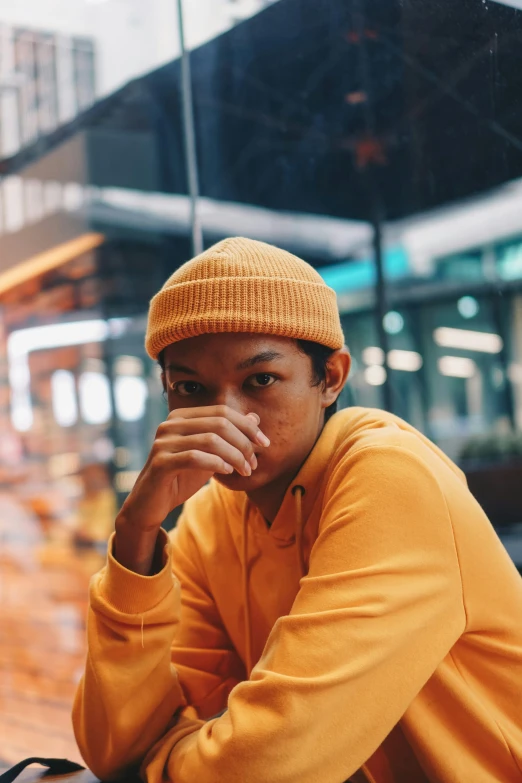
<point x="262" y="439"/>
<point x="253" y="461"/>
<point x="255" y="416"/>
<point x="248" y="469"/>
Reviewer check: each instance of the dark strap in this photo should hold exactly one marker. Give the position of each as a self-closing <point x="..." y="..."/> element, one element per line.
<point x="56" y="767"/>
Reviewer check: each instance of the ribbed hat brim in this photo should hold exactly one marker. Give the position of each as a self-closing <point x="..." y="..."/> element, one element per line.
<point x="261" y="305"/>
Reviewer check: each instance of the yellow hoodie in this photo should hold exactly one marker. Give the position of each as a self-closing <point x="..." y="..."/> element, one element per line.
<point x="399" y="652"/>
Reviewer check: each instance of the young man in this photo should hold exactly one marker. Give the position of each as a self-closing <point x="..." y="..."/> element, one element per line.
<point x="334" y="591"/>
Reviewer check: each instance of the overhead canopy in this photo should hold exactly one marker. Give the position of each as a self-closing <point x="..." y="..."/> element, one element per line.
<point x="295" y="105"/>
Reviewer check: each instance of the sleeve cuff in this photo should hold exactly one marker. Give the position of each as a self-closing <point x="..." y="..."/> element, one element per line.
<point x="133" y="593"/>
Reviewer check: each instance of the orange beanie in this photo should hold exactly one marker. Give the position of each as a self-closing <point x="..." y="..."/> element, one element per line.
<point x="241" y="285"/>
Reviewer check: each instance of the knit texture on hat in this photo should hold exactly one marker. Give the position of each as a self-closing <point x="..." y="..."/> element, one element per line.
<point x="242" y="285"/>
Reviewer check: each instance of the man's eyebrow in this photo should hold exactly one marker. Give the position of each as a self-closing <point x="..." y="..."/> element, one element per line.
<point x="259" y="358"/>
<point x="180" y="368"/>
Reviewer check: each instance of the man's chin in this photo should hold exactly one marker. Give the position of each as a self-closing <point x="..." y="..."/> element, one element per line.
<point x="238" y="483"/>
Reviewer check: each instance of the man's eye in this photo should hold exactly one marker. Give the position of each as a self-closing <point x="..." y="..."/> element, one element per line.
<point x="262" y="380"/>
<point x="185" y="388"/>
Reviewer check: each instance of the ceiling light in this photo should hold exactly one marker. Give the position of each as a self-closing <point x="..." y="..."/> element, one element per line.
<point x="407" y="361"/>
<point x="467" y="340"/>
<point x="375" y="375"/>
<point x="373" y="355"/>
<point x="457" y="367"/>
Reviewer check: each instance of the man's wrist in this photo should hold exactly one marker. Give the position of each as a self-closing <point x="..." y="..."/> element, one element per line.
<point x="135" y="548"/>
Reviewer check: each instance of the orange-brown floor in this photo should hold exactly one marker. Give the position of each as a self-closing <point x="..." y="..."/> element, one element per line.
<point x="43" y="598"/>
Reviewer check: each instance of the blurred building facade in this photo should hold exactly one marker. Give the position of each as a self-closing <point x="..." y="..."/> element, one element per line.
<point x="97" y="216"/>
<point x="129" y="37"/>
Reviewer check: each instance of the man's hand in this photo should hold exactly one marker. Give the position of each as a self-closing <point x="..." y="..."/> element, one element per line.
<point x="190" y="446"/>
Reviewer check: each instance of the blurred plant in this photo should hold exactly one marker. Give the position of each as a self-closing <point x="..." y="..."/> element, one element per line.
<point x="494" y="447"/>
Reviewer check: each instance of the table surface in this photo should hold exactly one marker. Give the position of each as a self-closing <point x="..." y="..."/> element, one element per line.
<point x="44" y="588"/>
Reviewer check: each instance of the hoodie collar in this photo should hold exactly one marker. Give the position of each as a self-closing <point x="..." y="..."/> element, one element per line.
<point x="311" y="477"/>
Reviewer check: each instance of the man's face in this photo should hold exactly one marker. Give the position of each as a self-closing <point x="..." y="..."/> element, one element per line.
<point x="252" y="373"/>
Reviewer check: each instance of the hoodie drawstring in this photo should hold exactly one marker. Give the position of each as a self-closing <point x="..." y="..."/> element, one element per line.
<point x="298" y="492"/>
<point x="246" y="596"/>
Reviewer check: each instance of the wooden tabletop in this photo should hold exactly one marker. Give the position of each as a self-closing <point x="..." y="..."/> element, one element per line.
<point x="44" y="588"/>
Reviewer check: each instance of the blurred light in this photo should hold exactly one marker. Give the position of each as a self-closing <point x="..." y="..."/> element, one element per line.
<point x="22" y="415"/>
<point x="457" y="366"/>
<point x="393" y="322"/>
<point x="375" y="375"/>
<point x="407" y="361"/>
<point x="50" y="259"/>
<point x="468" y="306"/>
<point x="510" y="262"/>
<point x="356" y="98"/>
<point x="94" y="364"/>
<point x="512" y="3"/>
<point x="466" y="340"/>
<point x="34" y="205"/>
<point x="122" y="457"/>
<point x="60" y="465"/>
<point x="125" y="480"/>
<point x="56" y="336"/>
<point x="128" y="365"/>
<point x="13" y="200"/>
<point x="95" y="398"/>
<point x="63" y="394"/>
<point x="23" y="341"/>
<point x="73" y="197"/>
<point x="515" y="373"/>
<point x="130" y="394"/>
<point x="373" y="355"/>
<point x="103" y="449"/>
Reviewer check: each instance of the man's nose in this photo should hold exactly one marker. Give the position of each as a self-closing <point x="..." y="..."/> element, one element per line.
<point x="232" y="399"/>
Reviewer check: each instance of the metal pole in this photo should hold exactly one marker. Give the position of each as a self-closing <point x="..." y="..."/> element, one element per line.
<point x="381" y="309"/>
<point x="374" y="199"/>
<point x="190" y="137"/>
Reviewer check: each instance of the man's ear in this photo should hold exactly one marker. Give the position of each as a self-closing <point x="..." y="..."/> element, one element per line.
<point x="337" y="371"/>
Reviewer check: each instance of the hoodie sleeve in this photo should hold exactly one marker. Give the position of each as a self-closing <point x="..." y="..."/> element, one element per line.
<point x="378" y="611"/>
<point x="138" y="681"/>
